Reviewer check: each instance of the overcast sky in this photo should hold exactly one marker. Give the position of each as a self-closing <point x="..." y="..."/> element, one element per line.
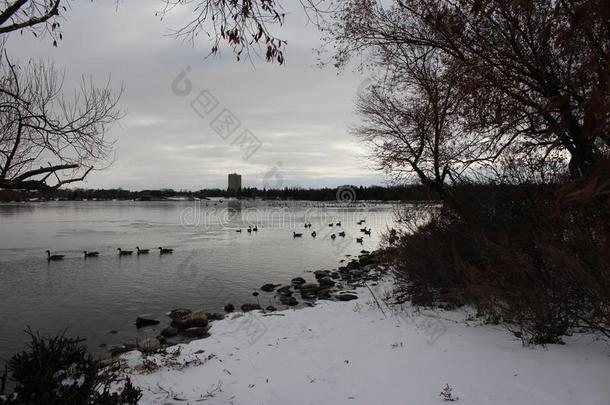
<point x="300" y="112"/>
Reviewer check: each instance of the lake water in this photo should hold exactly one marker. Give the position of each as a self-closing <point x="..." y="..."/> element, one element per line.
<point x="212" y="264"/>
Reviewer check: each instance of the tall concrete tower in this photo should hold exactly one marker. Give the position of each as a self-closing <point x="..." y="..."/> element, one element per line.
<point x="234" y="182"/>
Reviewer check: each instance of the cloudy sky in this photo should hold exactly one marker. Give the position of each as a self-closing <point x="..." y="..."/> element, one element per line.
<point x="300" y="112"/>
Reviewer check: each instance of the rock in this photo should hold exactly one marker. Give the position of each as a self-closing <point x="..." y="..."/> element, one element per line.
<point x="285" y="290"/>
<point x="250" y="307"/>
<point x="215" y="317"/>
<point x="368" y="267"/>
<point x="365" y="260"/>
<point x="297" y="281"/>
<point x="347" y="297"/>
<point x="178" y="313"/>
<point x="324" y="294"/>
<point x="309" y="294"/>
<point x="197" y="332"/>
<point x="109" y="361"/>
<point x="309" y="287"/>
<point x="326" y="282"/>
<point x="192" y="320"/>
<point x="118" y="350"/>
<point x="309" y="290"/>
<point x="269" y="287"/>
<point x="289" y="300"/>
<point x="142" y="322"/>
<point x="334" y="275"/>
<point x="321" y="273"/>
<point x="354" y="264"/>
<point x="169" y="332"/>
<point x="229" y="308"/>
<point x="356" y="273"/>
<point x="148" y="344"/>
<point x="271" y="308"/>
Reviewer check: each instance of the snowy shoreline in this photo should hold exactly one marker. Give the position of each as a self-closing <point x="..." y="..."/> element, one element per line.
<point x="353" y="353"/>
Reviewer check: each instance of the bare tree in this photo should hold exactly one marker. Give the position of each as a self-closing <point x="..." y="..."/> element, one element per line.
<point x="412" y="120"/>
<point x="244" y="25"/>
<point x="539" y="67"/>
<point x="46" y="139"/>
<point x="37" y="16"/>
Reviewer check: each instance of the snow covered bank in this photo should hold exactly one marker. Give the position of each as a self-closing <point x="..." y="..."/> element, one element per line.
<point x="353" y="353"/>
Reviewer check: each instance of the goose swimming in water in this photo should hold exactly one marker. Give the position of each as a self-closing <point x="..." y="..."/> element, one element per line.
<point x="125" y="252"/>
<point x="91" y="254"/>
<point x="54" y="258"/>
<point x="342" y="234"/>
<point x="164" y="251"/>
<point x="296" y="235"/>
<point x="333" y="236"/>
<point x="359" y="240"/>
<point x="314" y="234"/>
<point x="142" y="251"/>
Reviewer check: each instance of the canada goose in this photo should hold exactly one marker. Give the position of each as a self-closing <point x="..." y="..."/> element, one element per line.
<point x="363" y="230"/>
<point x="359" y="240"/>
<point x="124" y="252"/>
<point x="54" y="258"/>
<point x="333" y="236"/>
<point x="142" y="251"/>
<point x="314" y="234"/>
<point x="296" y="235"/>
<point x="255" y="229"/>
<point x="238" y="231"/>
<point x="165" y="251"/>
<point x="342" y="234"/>
<point x="330" y="225"/>
<point x="338" y="223"/>
<point x="367" y="232"/>
<point x="249" y="229"/>
<point x="91" y="254"/>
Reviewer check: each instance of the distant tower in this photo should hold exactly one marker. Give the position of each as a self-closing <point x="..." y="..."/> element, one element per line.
<point x="234" y="182"/>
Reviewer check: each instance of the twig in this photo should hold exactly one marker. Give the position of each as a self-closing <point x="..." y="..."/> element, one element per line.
<point x="376" y="301"/>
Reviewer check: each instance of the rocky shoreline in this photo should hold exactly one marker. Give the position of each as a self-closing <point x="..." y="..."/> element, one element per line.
<point x="332" y="285"/>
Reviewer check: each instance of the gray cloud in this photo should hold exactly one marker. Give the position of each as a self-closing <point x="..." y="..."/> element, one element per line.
<point x="300" y="112"/>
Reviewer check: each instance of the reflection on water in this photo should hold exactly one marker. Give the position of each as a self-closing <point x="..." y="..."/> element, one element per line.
<point x="212" y="263"/>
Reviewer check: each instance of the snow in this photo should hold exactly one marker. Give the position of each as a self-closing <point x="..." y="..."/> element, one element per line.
<point x="353" y="353"/>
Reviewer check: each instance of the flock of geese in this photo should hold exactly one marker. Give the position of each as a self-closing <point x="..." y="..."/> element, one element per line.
<point x="334" y="236"/>
<point x="166" y="251"/>
<point x="162" y="251"/>
<point x="250" y="229"/>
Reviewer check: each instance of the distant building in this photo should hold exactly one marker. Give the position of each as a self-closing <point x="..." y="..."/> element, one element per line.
<point x="234" y="182"/>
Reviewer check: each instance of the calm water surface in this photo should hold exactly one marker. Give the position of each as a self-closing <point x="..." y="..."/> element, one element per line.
<point x="212" y="263"/>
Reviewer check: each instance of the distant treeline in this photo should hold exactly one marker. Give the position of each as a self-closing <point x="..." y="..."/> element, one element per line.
<point x="344" y="193"/>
